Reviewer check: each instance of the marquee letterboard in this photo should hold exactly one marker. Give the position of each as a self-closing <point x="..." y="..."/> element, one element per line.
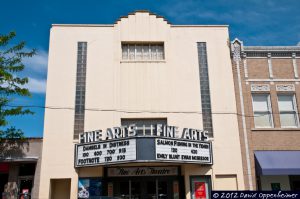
<point x="105" y="152"/>
<point x="173" y="150"/>
<point x="143" y="149"/>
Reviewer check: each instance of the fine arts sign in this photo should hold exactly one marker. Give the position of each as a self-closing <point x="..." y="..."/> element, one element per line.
<point x="155" y="143"/>
<point x="158" y="130"/>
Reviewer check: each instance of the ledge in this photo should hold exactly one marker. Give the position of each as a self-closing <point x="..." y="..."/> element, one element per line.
<point x="76" y="141"/>
<point x="275" y="129"/>
<point x="144" y="61"/>
<point x="273" y="80"/>
<point x="272" y="48"/>
<point x="19" y="159"/>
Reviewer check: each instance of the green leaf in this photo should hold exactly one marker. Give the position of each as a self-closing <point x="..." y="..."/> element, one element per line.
<point x="11" y="83"/>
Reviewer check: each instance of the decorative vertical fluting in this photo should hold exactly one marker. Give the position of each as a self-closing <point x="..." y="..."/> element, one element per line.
<point x="245" y="65"/>
<point x="236" y="48"/>
<point x="270" y="66"/>
<point x="204" y="89"/>
<point x="296" y="75"/>
<point x="80" y="89"/>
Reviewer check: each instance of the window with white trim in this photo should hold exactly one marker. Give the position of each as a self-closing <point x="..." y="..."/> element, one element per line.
<point x="288" y="111"/>
<point x="143" y="52"/>
<point x="262" y="111"/>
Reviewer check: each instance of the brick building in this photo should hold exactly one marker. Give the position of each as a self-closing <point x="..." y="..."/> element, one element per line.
<point x="268" y="96"/>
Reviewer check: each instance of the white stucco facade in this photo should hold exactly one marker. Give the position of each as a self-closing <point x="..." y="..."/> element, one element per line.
<point x="151" y="89"/>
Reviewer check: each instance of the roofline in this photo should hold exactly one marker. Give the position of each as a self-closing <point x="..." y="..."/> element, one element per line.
<point x="271" y="48"/>
<point x="142" y="11"/>
<point x="34" y="138"/>
<point x="25" y="138"/>
<point x="221" y="26"/>
<point x="265" y="49"/>
<point x="112" y="25"/>
<point x="83" y="25"/>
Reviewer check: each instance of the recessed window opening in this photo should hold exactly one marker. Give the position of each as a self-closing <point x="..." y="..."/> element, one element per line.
<point x="288" y="110"/>
<point x="143" y="51"/>
<point x="262" y="111"/>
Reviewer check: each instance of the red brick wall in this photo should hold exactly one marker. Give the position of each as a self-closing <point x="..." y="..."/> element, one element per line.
<point x="275" y="138"/>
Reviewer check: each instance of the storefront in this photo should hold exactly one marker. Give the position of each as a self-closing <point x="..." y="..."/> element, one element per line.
<point x="134" y="182"/>
<point x="278" y="170"/>
<point x="20" y="167"/>
<point x="159" y="149"/>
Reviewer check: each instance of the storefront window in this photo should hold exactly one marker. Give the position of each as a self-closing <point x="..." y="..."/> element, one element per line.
<point x="200" y="187"/>
<point x="89" y="188"/>
<point x="275" y="186"/>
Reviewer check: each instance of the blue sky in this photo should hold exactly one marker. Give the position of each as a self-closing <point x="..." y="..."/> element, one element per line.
<point x="256" y="22"/>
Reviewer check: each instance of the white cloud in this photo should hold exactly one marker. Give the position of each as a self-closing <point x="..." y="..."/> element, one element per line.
<point x="35" y="70"/>
<point x="38" y="62"/>
<point x="37" y="67"/>
<point x="36" y="85"/>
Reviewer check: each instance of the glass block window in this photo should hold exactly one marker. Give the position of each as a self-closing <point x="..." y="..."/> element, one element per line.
<point x="288" y="110"/>
<point x="80" y="89"/>
<point x="204" y="88"/>
<point x="143" y="51"/>
<point x="262" y="110"/>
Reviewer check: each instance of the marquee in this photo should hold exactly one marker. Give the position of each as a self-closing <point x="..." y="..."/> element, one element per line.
<point x="162" y="145"/>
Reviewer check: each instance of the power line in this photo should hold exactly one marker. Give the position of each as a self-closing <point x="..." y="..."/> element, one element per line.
<point x="132" y="111"/>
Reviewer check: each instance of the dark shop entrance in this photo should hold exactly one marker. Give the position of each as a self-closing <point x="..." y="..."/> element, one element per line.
<point x="145" y="187"/>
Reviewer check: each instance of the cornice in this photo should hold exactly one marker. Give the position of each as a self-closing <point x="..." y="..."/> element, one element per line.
<point x="272" y="48"/>
<point x="264" y="51"/>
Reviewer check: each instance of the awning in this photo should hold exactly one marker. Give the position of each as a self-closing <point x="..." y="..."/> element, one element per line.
<point x="277" y="162"/>
<point x="20" y="159"/>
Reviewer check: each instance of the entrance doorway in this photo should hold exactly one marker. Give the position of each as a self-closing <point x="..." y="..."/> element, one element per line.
<point x="25" y="185"/>
<point x="295" y="182"/>
<point x="145" y="188"/>
<point x="60" y="188"/>
<point x="3" y="181"/>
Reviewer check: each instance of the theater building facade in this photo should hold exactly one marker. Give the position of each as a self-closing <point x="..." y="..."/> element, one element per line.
<point x="140" y="109"/>
<point x="268" y="96"/>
